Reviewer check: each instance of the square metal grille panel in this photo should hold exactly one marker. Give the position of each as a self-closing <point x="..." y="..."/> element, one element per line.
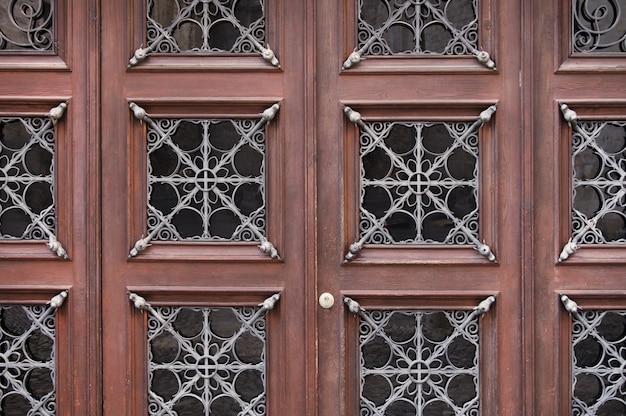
<point x="598" y="345"/>
<point x="419" y="363"/>
<point x="599" y="182"/>
<point x="27" y="202"/>
<point x="207" y="361"/>
<point x="206" y="179"/>
<point x="26" y="26"/>
<point x="27" y="360"/>
<point x="419" y="183"/>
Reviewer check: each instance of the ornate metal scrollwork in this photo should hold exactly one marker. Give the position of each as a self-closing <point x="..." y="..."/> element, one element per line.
<point x="598" y="362"/>
<point x="206" y="26"/>
<point x="419" y="183"/>
<point x="598" y="182"/>
<point x="397" y="27"/>
<point x="206" y="180"/>
<point x="202" y="360"/>
<point x="27" y="199"/>
<point x="26" y="25"/>
<point x="27" y="357"/>
<point x="598" y="26"/>
<point x="419" y="362"/>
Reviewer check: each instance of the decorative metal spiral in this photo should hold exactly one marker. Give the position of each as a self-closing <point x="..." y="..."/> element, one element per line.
<point x="26" y="25"/>
<point x="598" y="26"/>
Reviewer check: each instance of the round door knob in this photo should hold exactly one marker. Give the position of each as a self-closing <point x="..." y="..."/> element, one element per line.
<point x="326" y="300"/>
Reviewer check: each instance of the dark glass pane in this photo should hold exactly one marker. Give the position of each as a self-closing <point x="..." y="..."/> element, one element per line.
<point x="39" y="346"/>
<point x="249" y="349"/>
<point x="436" y="326"/>
<point x="39" y="382"/>
<point x="376" y="353"/>
<point x="164" y="348"/>
<point x="401" y="327"/>
<point x="224" y="323"/>
<point x="587" y="388"/>
<point x="461" y="389"/>
<point x="249" y="385"/>
<point x="612" y="327"/>
<point x="376" y="164"/>
<point x="376" y="389"/>
<point x="189" y="322"/>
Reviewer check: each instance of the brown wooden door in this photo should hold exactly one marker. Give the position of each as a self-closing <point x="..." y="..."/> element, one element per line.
<point x="50" y="197"/>
<point x="205" y="131"/>
<point x="419" y="271"/>
<point x="577" y="146"/>
<point x="318" y="207"/>
<point x="317" y="202"/>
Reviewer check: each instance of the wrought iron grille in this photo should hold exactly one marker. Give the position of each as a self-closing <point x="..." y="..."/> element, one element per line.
<point x="211" y="26"/>
<point x="415" y="179"/>
<point x="26" y="25"/>
<point x="599" y="182"/>
<point x="27" y="202"/>
<point x="206" y="180"/>
<point x="598" y="345"/>
<point x="419" y="182"/>
<point x="207" y="361"/>
<point x="27" y="360"/>
<point x="423" y="27"/>
<point x="598" y="26"/>
<point x="419" y="362"/>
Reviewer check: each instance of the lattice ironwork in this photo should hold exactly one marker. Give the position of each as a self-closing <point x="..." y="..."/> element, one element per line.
<point x="207" y="360"/>
<point x="598" y="26"/>
<point x="598" y="182"/>
<point x="419" y="362"/>
<point x="206" y="180"/>
<point x="598" y="345"/>
<point x="424" y="27"/>
<point x="26" y="25"/>
<point x="211" y="26"/>
<point x="27" y="358"/>
<point x="419" y="183"/>
<point x="27" y="200"/>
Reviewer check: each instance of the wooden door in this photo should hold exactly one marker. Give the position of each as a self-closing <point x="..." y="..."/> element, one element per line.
<point x="420" y="208"/>
<point x="49" y="209"/>
<point x="319" y="207"/>
<point x="578" y="218"/>
<point x="206" y="217"/>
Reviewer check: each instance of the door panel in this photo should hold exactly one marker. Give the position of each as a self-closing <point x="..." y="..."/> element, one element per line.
<point x="180" y="231"/>
<point x="433" y="276"/>
<point x="49" y="242"/>
<point x="576" y="253"/>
